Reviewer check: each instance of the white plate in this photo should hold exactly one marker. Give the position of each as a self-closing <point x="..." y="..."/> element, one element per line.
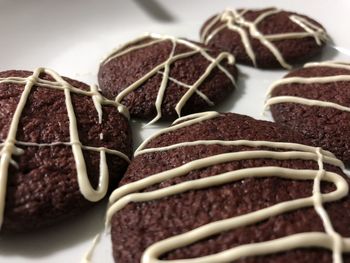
<point x="72" y="36"/>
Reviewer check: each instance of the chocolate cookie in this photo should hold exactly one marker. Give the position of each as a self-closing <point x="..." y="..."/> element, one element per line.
<point x="228" y="188"/>
<point x="61" y="145"/>
<point x="315" y="100"/>
<point x="162" y="77"/>
<point x="265" y="38"/>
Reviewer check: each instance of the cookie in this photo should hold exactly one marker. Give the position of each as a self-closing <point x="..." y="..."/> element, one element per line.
<point x="315" y="100"/>
<point x="161" y="77"/>
<point x="229" y="188"/>
<point x="63" y="147"/>
<point x="265" y="38"/>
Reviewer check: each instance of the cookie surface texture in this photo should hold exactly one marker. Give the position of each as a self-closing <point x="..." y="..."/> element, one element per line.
<point x="63" y="147"/>
<point x="315" y="100"/>
<point x="228" y="188"/>
<point x="162" y="77"/>
<point x="265" y="38"/>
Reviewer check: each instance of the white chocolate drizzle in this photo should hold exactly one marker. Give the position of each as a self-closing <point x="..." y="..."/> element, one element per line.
<point x="10" y="145"/>
<point x="88" y="255"/>
<point x="235" y="21"/>
<point x="329" y="239"/>
<point x="164" y="69"/>
<point x="309" y="80"/>
<point x="329" y="64"/>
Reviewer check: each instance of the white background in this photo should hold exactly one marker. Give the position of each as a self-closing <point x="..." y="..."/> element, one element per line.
<point x="71" y="37"/>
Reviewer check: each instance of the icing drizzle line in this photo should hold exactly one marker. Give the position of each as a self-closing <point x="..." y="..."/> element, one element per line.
<point x="309" y="80"/>
<point x="10" y="146"/>
<point x="235" y="21"/>
<point x="329" y="240"/>
<point x="164" y="69"/>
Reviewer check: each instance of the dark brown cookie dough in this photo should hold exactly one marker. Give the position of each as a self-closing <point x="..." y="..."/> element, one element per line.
<point x="43" y="189"/>
<point x="139" y="225"/>
<point x="293" y="49"/>
<point x="116" y="74"/>
<point x="326" y="127"/>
